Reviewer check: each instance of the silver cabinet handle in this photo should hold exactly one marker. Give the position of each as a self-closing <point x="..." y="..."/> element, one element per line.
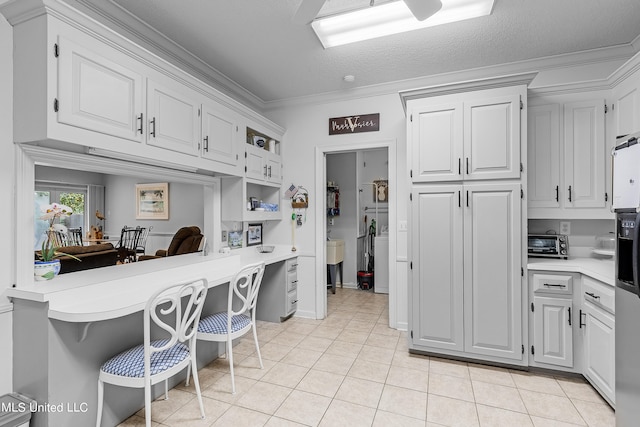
<point x="153" y="132"/>
<point x="141" y="121"/>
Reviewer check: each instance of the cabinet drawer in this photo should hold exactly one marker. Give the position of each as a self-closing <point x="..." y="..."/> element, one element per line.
<point x="292" y="302"/>
<point x="553" y="283"/>
<point x="292" y="265"/>
<point x="598" y="294"/>
<point x="292" y="281"/>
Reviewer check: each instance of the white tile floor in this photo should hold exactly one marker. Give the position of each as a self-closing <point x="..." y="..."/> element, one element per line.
<point x="352" y="370"/>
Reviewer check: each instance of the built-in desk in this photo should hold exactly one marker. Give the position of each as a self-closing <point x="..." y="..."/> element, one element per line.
<point x="64" y="329"/>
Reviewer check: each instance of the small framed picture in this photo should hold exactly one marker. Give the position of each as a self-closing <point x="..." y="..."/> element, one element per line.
<point x="235" y="239"/>
<point x="254" y="234"/>
<point x="152" y="201"/>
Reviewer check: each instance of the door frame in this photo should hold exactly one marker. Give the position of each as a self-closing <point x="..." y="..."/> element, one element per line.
<point x="321" y="224"/>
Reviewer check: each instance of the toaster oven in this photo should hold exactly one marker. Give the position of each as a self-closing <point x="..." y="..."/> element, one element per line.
<point x="548" y="245"/>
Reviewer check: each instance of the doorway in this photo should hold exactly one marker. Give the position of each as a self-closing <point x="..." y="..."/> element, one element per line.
<point x="350" y="223"/>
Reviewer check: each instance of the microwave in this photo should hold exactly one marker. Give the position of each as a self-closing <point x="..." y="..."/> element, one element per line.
<point x="548" y="245"/>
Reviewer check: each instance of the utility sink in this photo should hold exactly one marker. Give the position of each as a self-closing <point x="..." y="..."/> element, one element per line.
<point x="335" y="251"/>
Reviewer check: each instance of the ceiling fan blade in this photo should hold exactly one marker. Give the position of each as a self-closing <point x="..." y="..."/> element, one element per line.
<point x="307" y="11"/>
<point x="422" y="9"/>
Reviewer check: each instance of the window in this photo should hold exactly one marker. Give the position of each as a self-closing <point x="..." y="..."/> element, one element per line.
<point x="69" y="195"/>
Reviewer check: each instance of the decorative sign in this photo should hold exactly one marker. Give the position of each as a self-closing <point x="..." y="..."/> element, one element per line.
<point x="354" y="124"/>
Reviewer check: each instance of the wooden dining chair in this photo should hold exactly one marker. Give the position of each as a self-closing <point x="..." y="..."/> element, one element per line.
<point x="126" y="246"/>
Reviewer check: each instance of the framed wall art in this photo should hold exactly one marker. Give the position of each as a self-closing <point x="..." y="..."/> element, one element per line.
<point x="254" y="234"/>
<point x="152" y="201"/>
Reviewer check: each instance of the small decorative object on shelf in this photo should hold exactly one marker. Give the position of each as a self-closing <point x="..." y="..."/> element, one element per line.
<point x="262" y="141"/>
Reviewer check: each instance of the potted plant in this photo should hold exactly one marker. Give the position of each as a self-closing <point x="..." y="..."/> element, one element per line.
<point x="47" y="266"/>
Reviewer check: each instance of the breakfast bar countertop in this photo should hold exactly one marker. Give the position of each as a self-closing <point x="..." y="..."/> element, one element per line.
<point x="120" y="290"/>
<point x="596" y="268"/>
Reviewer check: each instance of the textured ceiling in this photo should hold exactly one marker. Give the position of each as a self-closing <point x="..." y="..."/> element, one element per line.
<point x="255" y="43"/>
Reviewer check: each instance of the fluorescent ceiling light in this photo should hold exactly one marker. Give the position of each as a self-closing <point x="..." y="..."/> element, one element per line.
<point x="391" y="18"/>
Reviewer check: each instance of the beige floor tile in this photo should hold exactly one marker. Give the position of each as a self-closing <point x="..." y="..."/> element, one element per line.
<point x="221" y="389"/>
<point x="498" y="396"/>
<point x="246" y="346"/>
<point x="341" y="413"/>
<point x="287" y="338"/>
<point x="301" y="328"/>
<point x="414" y="379"/>
<point x="206" y="377"/>
<point x="266" y="335"/>
<point x="137" y="421"/>
<point x="315" y="343"/>
<point x="596" y="414"/>
<point x="535" y="382"/>
<point x="376" y="354"/>
<point x="545" y="422"/>
<point x="495" y="417"/>
<point x="302" y="357"/>
<point x="576" y="388"/>
<point x="305" y="408"/>
<point x="264" y="397"/>
<point x="453" y="368"/>
<point x="360" y="391"/>
<point x="491" y="374"/>
<point x="343" y="348"/>
<point x="281" y="422"/>
<point x="403" y="401"/>
<point x="250" y="368"/>
<point x="274" y="351"/>
<point x="328" y="332"/>
<point x="451" y="412"/>
<point x="389" y="419"/>
<point x="384" y="329"/>
<point x="162" y="409"/>
<point x="241" y="417"/>
<point x="359" y="325"/>
<point x="285" y="374"/>
<point x="448" y="386"/>
<point x="383" y="341"/>
<point x="222" y="363"/>
<point x="355" y="337"/>
<point x="189" y="415"/>
<point x="551" y="406"/>
<point x="369" y="370"/>
<point x="413" y="361"/>
<point x="334" y="363"/>
<point x="322" y="383"/>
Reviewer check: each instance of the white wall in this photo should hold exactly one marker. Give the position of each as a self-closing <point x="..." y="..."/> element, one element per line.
<point x="186" y="207"/>
<point x="7" y="189"/>
<point x="341" y="168"/>
<point x="307" y="130"/>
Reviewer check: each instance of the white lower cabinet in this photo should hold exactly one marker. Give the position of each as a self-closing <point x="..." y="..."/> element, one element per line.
<point x="553" y="331"/>
<point x="278" y="295"/>
<point x="466" y="286"/>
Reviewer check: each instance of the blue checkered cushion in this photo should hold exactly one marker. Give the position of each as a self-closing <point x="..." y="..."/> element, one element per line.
<point x="217" y="323"/>
<point x="130" y="363"/>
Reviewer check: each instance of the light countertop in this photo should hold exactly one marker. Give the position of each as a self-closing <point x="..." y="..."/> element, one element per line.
<point x="119" y="290"/>
<point x="599" y="269"/>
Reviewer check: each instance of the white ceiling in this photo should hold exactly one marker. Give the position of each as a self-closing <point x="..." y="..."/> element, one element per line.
<point x="255" y="44"/>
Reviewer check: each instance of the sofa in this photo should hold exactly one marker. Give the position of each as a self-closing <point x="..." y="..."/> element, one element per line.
<point x="92" y="256"/>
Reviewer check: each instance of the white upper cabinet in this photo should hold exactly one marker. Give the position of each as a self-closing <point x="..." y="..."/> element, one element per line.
<point x="466" y="138"/>
<point x="173" y="117"/>
<point x="98" y="91"/>
<point x="584" y="154"/>
<point x="543" y="143"/>
<point x="437" y="143"/>
<point x="219" y="135"/>
<point x="626" y="101"/>
<point x="568" y="161"/>
<point x="492" y="137"/>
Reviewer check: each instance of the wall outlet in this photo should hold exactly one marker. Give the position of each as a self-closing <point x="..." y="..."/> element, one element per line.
<point x="331" y="222"/>
<point x="224" y="235"/>
<point x="402" y="226"/>
<point x="565" y="227"/>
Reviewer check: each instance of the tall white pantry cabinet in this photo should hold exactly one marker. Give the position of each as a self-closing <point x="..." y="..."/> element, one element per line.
<point x="467" y="215"/>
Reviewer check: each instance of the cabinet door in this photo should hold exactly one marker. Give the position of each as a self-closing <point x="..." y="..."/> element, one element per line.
<point x="599" y="350"/>
<point x="274" y="168"/>
<point x="626" y="99"/>
<point x="174" y="121"/>
<point x="436" y="143"/>
<point x="543" y="144"/>
<point x="98" y="92"/>
<point x="492" y="262"/>
<point x="492" y="138"/>
<point x="552" y="331"/>
<point x="256" y="166"/>
<point x="219" y="135"/>
<point x="584" y="151"/>
<point x="436" y="278"/>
